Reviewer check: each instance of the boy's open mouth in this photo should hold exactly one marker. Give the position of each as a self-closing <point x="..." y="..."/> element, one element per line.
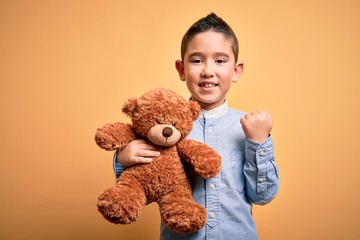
<point x="207" y="85"/>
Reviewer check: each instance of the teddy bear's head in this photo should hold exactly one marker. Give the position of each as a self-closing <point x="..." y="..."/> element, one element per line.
<point x="162" y="116"/>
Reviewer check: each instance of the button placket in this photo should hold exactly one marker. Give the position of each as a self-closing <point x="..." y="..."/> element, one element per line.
<point x="212" y="194"/>
<point x="262" y="153"/>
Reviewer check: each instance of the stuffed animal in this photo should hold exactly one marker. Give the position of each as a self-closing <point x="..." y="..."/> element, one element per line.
<point x="165" y="119"/>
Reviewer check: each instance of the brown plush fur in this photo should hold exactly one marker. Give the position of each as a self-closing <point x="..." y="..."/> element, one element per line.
<point x="164" y="180"/>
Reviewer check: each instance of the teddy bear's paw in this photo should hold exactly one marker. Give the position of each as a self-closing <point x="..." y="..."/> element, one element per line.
<point x="117" y="209"/>
<point x="186" y="218"/>
<point x="209" y="168"/>
<point x="105" y="140"/>
<point x="205" y="161"/>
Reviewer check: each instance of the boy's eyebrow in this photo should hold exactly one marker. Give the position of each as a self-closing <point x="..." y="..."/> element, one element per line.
<point x="223" y="54"/>
<point x="195" y="54"/>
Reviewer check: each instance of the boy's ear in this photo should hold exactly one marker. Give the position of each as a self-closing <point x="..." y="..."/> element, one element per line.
<point x="180" y="69"/>
<point x="238" y="70"/>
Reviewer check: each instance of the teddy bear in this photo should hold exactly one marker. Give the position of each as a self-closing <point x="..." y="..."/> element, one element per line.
<point x="164" y="118"/>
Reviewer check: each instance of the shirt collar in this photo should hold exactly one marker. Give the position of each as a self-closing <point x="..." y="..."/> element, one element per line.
<point x="216" y="112"/>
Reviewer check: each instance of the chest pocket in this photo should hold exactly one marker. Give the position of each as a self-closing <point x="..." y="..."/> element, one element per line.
<point x="237" y="167"/>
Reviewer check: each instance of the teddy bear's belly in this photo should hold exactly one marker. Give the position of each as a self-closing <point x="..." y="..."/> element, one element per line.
<point x="163" y="175"/>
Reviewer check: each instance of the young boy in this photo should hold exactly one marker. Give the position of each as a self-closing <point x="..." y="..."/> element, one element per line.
<point x="209" y="51"/>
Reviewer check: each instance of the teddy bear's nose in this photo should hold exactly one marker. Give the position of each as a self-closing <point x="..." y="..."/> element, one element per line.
<point x="167" y="132"/>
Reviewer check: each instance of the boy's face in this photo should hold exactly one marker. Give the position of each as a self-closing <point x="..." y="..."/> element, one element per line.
<point x="209" y="68"/>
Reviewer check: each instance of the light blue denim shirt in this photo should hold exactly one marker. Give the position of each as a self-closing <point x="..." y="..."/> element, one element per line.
<point x="248" y="175"/>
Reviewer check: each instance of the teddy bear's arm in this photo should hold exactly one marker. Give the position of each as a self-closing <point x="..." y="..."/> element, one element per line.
<point x="114" y="136"/>
<point x="205" y="160"/>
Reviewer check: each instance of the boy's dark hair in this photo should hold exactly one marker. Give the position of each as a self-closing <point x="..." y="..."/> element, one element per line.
<point x="210" y="23"/>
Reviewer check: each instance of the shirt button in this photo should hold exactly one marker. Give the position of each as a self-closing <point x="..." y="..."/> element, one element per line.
<point x="262" y="153"/>
<point x="212" y="186"/>
<point x="261" y="180"/>
<point x="212" y="215"/>
<point x="209" y="131"/>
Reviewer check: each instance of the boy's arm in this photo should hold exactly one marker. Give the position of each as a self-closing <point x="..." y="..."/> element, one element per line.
<point x="118" y="167"/>
<point x="136" y="152"/>
<point x="261" y="174"/>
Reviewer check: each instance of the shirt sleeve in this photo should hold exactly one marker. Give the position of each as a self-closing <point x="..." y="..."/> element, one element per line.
<point x="261" y="172"/>
<point x="118" y="167"/>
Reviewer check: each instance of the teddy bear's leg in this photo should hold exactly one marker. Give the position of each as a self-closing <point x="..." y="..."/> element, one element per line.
<point x="123" y="203"/>
<point x="181" y="213"/>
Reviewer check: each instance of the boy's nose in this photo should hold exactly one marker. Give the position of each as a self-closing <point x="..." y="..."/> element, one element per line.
<point x="207" y="71"/>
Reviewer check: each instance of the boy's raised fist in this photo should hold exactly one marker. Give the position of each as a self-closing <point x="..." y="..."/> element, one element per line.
<point x="257" y="125"/>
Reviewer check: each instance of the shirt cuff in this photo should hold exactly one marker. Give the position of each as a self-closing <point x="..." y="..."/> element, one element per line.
<point x="118" y="167"/>
<point x="259" y="152"/>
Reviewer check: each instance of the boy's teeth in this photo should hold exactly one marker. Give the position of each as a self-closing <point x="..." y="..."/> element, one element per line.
<point x="208" y="85"/>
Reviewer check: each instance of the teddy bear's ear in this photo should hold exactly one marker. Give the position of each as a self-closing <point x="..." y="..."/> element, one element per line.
<point x="195" y="109"/>
<point x="129" y="106"/>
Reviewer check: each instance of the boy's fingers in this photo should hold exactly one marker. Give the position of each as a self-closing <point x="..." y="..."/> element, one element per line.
<point x="247" y="116"/>
<point x="144" y="144"/>
<point x="149" y="153"/>
<point x="151" y="147"/>
<point x="243" y="120"/>
<point x="143" y="160"/>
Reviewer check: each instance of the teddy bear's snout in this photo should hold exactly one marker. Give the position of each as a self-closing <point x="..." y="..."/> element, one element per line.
<point x="164" y="135"/>
<point x="167" y="132"/>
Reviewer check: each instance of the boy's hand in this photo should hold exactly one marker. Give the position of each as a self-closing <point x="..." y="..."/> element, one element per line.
<point x="137" y="151"/>
<point x="257" y="125"/>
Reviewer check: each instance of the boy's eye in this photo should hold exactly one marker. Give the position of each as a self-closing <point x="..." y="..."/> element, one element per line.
<point x="220" y="61"/>
<point x="196" y="60"/>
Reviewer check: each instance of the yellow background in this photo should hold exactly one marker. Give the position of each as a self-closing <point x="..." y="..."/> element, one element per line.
<point x="66" y="67"/>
